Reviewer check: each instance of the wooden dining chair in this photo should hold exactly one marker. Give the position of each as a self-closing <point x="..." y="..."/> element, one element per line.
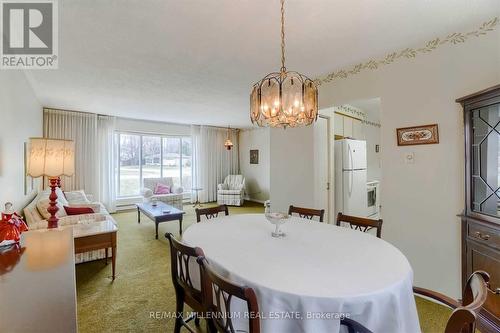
<point x="211" y="212"/>
<point x="361" y="223"/>
<point x="181" y="256"/>
<point x="221" y="291"/>
<point x="353" y="326"/>
<point x="307" y="213"/>
<point x="464" y="316"/>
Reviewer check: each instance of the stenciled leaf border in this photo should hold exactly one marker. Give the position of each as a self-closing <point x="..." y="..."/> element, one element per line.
<point x="408" y="53"/>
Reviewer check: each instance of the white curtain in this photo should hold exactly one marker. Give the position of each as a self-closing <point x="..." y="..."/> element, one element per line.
<point x="211" y="161"/>
<point x="94" y="153"/>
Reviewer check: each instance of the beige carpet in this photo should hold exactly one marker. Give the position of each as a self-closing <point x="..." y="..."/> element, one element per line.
<point x="142" y="292"/>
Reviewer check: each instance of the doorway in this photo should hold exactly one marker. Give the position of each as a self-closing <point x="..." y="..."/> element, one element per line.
<point x="322" y="166"/>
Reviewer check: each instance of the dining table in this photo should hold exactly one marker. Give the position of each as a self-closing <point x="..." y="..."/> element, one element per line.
<point x="312" y="277"/>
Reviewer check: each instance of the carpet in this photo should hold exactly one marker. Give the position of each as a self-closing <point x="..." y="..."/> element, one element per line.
<point x="142" y="295"/>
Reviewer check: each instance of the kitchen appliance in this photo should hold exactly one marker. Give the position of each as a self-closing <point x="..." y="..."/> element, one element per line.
<point x="372" y="198"/>
<point x="350" y="177"/>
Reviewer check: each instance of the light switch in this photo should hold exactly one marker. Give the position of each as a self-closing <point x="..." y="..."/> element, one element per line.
<point x="410" y="158"/>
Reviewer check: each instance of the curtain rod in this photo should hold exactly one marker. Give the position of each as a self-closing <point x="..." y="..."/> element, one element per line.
<point x="137" y="119"/>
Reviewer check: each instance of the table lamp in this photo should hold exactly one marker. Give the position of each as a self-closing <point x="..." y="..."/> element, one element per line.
<point x="51" y="158"/>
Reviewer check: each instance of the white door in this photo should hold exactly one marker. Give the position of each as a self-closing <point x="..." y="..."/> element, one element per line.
<point x="322" y="165"/>
<point x="354" y="154"/>
<point x="354" y="186"/>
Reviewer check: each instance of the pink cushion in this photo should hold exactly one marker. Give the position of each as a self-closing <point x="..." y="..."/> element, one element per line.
<point x="162" y="189"/>
<point x="78" y="210"/>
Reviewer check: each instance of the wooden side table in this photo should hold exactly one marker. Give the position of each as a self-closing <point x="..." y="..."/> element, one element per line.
<point x="197" y="202"/>
<point x="96" y="236"/>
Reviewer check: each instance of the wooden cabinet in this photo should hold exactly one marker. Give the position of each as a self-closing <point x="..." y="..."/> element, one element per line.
<point x="481" y="217"/>
<point x="338" y="125"/>
<point x="358" y="130"/>
<point x="348" y="127"/>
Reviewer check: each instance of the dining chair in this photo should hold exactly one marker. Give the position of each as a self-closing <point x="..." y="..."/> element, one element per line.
<point x="353" y="326"/>
<point x="181" y="271"/>
<point x="361" y="223"/>
<point x="307" y="213"/>
<point x="464" y="316"/>
<point x="221" y="291"/>
<point x="211" y="212"/>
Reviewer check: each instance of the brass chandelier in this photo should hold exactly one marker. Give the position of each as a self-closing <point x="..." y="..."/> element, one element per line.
<point x="284" y="98"/>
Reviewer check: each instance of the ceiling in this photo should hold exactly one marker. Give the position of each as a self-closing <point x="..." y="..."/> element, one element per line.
<point x="194" y="61"/>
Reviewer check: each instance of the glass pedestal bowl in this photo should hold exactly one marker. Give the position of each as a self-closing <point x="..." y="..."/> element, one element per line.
<point x="277" y="219"/>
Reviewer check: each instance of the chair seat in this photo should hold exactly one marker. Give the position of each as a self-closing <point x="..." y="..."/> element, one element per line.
<point x="227" y="192"/>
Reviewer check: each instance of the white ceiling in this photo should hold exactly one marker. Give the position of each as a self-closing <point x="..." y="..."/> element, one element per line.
<point x="194" y="61"/>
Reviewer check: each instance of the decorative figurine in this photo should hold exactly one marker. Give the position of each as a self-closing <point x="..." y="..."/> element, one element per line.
<point x="11" y="226"/>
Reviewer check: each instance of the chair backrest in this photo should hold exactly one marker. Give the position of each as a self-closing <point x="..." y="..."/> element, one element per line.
<point x="361" y="223"/>
<point x="150" y="183"/>
<point x="353" y="326"/>
<point x="307" y="213"/>
<point x="234" y="181"/>
<point x="463" y="318"/>
<point x="211" y="212"/>
<point x="221" y="291"/>
<point x="181" y="258"/>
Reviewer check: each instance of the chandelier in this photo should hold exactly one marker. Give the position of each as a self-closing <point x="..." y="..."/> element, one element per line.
<point x="284" y="98"/>
<point x="228" y="144"/>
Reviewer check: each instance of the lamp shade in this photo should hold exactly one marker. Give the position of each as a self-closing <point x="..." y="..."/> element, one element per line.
<point x="51" y="157"/>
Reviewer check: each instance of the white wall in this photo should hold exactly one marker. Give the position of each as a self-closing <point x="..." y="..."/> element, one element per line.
<point x="421" y="200"/>
<point x="257" y="176"/>
<point x="373" y="137"/>
<point x="21" y="118"/>
<point x="292" y="168"/>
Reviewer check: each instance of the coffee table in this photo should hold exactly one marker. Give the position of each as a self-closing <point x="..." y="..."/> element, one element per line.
<point x="160" y="213"/>
<point x="96" y="235"/>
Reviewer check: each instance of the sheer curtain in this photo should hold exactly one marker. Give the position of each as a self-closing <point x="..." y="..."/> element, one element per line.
<point x="211" y="161"/>
<point x="94" y="151"/>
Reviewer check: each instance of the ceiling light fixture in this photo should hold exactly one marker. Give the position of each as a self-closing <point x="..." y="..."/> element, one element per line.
<point x="228" y="144"/>
<point x="284" y="98"/>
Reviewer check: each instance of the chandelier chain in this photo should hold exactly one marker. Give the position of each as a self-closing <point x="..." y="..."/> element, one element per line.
<point x="283" y="69"/>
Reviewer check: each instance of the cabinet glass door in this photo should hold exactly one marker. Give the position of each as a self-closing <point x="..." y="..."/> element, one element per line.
<point x="486" y="160"/>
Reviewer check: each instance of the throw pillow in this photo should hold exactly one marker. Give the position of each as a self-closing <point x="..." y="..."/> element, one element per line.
<point x="75" y="197"/>
<point x="78" y="210"/>
<point x="162" y="189"/>
<point x="42" y="206"/>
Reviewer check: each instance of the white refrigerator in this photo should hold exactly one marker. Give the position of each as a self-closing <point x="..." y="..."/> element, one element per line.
<point x="350" y="177"/>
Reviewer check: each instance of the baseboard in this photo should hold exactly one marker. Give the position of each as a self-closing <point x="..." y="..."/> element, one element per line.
<point x="255" y="200"/>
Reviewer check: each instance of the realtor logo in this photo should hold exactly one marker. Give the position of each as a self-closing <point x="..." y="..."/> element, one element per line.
<point x="29" y="34"/>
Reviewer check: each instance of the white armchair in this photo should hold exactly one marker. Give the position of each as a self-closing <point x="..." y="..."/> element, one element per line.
<point x="174" y="198"/>
<point x="232" y="191"/>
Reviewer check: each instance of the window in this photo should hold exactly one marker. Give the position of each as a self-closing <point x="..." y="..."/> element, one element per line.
<point x="149" y="156"/>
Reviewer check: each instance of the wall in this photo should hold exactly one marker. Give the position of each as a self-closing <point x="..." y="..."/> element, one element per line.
<point x="372" y="137"/>
<point x="292" y="159"/>
<point x="257" y="176"/>
<point x="21" y="115"/>
<point x="421" y="200"/>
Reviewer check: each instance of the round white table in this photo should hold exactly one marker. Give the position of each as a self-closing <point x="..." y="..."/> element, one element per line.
<point x="318" y="272"/>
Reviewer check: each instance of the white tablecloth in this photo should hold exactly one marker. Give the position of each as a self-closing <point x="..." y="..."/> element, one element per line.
<point x="317" y="272"/>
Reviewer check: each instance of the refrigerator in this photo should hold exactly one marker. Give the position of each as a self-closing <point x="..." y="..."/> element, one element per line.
<point x="350" y="177"/>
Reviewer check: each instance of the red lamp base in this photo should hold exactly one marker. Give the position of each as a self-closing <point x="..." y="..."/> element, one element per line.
<point x="52" y="209"/>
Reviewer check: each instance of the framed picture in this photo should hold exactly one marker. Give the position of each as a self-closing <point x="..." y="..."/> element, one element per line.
<point x="418" y="135"/>
<point x="254" y="156"/>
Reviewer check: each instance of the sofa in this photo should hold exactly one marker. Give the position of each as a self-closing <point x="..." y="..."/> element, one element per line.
<point x="36" y="215"/>
<point x="232" y="191"/>
<point x="174" y="198"/>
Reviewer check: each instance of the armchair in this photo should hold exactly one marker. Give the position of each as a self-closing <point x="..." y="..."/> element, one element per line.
<point x="232" y="191"/>
<point x="174" y="198"/>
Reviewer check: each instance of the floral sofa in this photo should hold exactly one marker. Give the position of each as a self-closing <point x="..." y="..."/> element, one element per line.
<point x="36" y="215"/>
<point x="174" y="198"/>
